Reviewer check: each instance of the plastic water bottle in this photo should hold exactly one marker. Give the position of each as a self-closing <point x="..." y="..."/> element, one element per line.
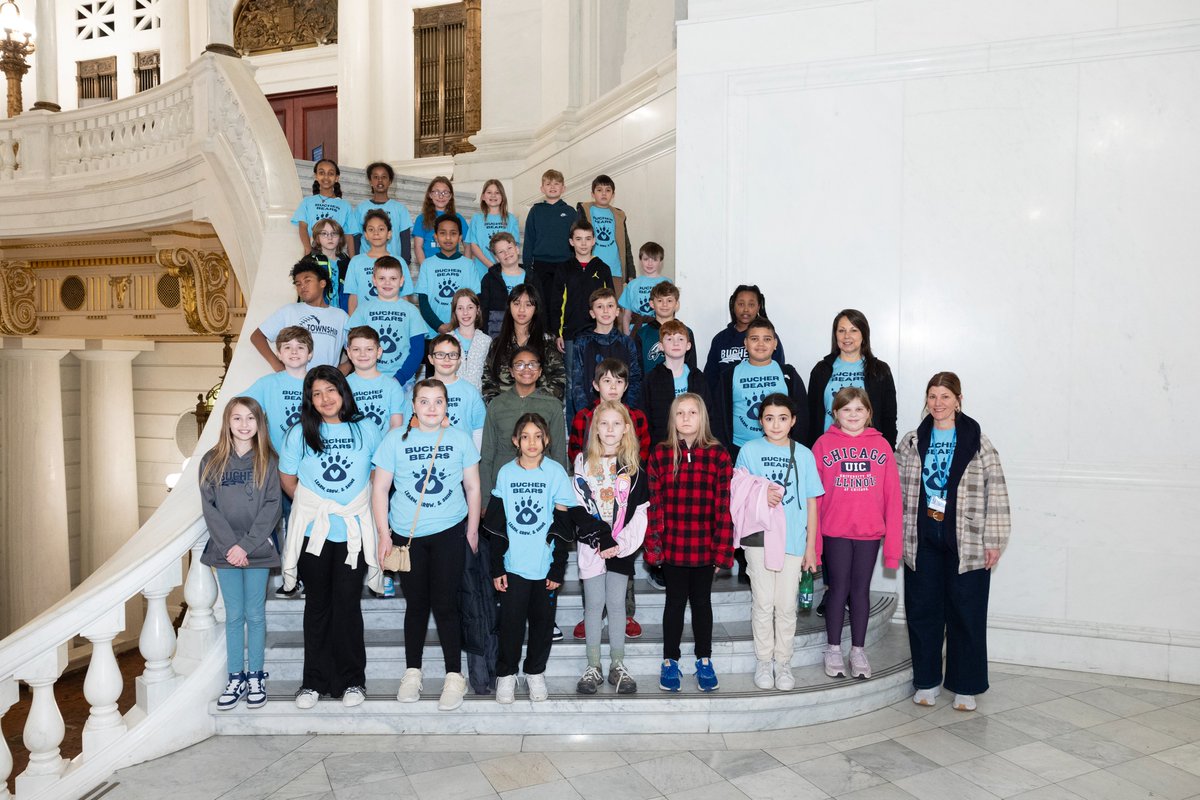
<point x="806" y="590"/>
<point x="389" y="588"/>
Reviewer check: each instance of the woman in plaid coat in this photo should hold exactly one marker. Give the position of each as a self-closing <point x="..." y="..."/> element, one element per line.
<point x="956" y="525"/>
<point x="690" y="532"/>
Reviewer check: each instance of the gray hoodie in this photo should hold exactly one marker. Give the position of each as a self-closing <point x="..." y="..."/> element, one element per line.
<point x="240" y="512"/>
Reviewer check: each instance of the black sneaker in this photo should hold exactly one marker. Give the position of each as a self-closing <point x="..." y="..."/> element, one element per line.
<point x="297" y="591"/>
<point x="557" y="636"/>
<point x="655" y="577"/>
<point x="821" y="607"/>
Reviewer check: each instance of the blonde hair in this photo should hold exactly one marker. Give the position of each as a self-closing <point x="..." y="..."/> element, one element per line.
<point x="704" y="438"/>
<point x="847" y="395"/>
<point x="260" y="446"/>
<point x="628" y="451"/>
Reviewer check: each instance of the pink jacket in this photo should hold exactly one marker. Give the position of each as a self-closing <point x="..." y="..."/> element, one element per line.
<point x="862" y="490"/>
<point x="751" y="514"/>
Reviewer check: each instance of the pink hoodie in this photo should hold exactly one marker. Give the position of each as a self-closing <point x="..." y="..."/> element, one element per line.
<point x="862" y="490"/>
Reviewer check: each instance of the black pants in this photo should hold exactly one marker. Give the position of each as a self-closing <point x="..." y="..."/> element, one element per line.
<point x="530" y="602"/>
<point x="941" y="604"/>
<point x="687" y="585"/>
<point x="849" y="565"/>
<point x="335" y="656"/>
<point x="432" y="585"/>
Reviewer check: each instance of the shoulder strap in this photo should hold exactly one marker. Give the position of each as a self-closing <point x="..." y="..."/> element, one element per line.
<point x="429" y="470"/>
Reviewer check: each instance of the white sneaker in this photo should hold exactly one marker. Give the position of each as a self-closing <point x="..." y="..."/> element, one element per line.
<point x="410" y="686"/>
<point x="763" y="676"/>
<point x="453" y="690"/>
<point x="307" y="698"/>
<point x="506" y="689"/>
<point x="964" y="702"/>
<point x="785" y="681"/>
<point x="927" y="697"/>
<point x="354" y="696"/>
<point x="537" y="687"/>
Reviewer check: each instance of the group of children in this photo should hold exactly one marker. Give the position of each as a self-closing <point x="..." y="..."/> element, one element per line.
<point x="418" y="396"/>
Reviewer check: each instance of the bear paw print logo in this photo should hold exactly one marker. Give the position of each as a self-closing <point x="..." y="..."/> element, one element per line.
<point x="936" y="475"/>
<point x="526" y="516"/>
<point x="292" y="418"/>
<point x="334" y="466"/>
<point x="603" y="236"/>
<point x="435" y="484"/>
<point x="387" y="344"/>
<point x="372" y="412"/>
<point x="777" y="476"/>
<point x="446" y="288"/>
<point x="755" y="405"/>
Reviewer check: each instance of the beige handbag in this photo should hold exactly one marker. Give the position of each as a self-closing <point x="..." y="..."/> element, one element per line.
<point x="399" y="559"/>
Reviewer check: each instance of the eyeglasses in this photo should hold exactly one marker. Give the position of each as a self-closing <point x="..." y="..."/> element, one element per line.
<point x="522" y="366"/>
<point x="334" y="234"/>
<point x="439" y="193"/>
<point x="445" y="356"/>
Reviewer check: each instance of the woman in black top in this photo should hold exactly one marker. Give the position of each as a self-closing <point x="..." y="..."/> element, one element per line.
<point x="851" y="363"/>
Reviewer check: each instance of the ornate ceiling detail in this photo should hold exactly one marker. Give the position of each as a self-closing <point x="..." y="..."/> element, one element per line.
<point x="265" y="25"/>
<point x="18" y="315"/>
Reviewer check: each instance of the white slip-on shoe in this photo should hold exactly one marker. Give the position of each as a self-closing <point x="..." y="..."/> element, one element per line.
<point x="927" y="697"/>
<point x="453" y="690"/>
<point x="537" y="687"/>
<point x="410" y="686"/>
<point x="506" y="689"/>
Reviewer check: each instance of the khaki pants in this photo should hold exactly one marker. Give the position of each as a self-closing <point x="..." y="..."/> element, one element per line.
<point x="773" y="613"/>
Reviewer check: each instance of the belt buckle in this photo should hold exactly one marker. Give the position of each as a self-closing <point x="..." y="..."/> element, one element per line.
<point x="936" y="515"/>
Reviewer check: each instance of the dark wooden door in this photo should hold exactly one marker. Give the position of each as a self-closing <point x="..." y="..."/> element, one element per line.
<point x="309" y="121"/>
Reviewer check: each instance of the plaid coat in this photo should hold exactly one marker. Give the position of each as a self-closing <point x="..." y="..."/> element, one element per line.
<point x="689" y="524"/>
<point x="577" y="441"/>
<point x="977" y="500"/>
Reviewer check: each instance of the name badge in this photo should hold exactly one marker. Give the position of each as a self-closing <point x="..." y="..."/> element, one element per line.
<point x="936" y="508"/>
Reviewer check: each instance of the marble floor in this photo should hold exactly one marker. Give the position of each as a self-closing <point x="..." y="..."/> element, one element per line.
<point x="1038" y="735"/>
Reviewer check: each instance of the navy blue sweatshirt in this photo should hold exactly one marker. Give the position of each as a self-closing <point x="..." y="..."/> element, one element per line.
<point x="728" y="348"/>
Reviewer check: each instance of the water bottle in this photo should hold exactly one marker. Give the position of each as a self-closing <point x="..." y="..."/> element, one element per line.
<point x="806" y="590"/>
<point x="389" y="587"/>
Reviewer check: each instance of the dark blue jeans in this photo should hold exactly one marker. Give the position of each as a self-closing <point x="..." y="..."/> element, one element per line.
<point x="942" y="605"/>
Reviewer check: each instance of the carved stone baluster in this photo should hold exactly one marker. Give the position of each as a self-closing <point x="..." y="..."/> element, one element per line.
<point x="44" y="728"/>
<point x="10" y="692"/>
<point x="157" y="641"/>
<point x="200" y="630"/>
<point x="103" y="684"/>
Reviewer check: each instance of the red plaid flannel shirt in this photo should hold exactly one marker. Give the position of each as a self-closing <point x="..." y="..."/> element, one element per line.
<point x="689" y="523"/>
<point x="577" y="441"/>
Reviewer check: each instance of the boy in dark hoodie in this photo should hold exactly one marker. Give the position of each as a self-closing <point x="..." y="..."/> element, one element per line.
<point x="569" y="306"/>
<point x="605" y="340"/>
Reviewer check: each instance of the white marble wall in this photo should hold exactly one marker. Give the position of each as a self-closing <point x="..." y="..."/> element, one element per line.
<point x="1007" y="191"/>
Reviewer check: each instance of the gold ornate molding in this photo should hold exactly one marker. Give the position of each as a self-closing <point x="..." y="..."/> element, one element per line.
<point x="203" y="277"/>
<point x="120" y="285"/>
<point x="18" y="315"/>
<point x="266" y="25"/>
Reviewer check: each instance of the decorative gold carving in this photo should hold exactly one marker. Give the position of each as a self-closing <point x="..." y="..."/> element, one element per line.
<point x="203" y="277"/>
<point x="265" y="25"/>
<point x="18" y="315"/>
<point x="120" y="285"/>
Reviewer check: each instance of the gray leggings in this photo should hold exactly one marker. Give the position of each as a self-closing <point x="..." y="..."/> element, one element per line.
<point x="599" y="591"/>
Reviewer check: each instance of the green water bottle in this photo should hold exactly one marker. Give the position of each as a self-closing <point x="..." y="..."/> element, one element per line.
<point x="806" y="590"/>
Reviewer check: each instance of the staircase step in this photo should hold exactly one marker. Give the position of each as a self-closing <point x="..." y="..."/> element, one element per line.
<point x="736" y="706"/>
<point x="409" y="190"/>
<point x="733" y="645"/>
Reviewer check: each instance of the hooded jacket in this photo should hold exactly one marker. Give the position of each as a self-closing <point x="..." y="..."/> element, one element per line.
<point x="628" y="528"/>
<point x="590" y="349"/>
<point x="238" y="511"/>
<point x="862" y="490"/>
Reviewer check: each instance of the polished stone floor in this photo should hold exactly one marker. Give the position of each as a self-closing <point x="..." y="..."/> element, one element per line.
<point x="1038" y="735"/>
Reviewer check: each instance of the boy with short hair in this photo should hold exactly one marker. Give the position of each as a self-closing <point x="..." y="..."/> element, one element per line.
<point x="635" y="297"/>
<point x="499" y="281"/>
<point x="671" y="377"/>
<point x="380" y="399"/>
<point x="400" y="330"/>
<point x="547" y="229"/>
<point x="664" y="300"/>
<point x="279" y="394"/>
<point x="569" y="308"/>
<point x="592" y="347"/>
<point x="444" y="274"/>
<point x="612" y="234"/>
<point x="464" y="404"/>
<point x="326" y="323"/>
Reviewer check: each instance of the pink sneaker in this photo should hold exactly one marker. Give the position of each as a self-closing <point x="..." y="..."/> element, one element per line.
<point x="859" y="666"/>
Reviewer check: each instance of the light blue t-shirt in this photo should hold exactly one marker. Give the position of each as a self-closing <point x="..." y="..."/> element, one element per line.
<point x="429" y="245"/>
<point x="465" y="406"/>
<point x="750" y="385"/>
<point x="484" y="226"/>
<point x="772" y="461"/>
<point x="279" y="394"/>
<point x="315" y="208"/>
<point x="938" y="458"/>
<point x="327" y="325"/>
<point x="445" y="503"/>
<point x="441" y="277"/>
<point x="397" y="213"/>
<point x="360" y="274"/>
<point x="339" y="472"/>
<point x="529" y="497"/>
<point x="397" y="322"/>
<point x="512" y="281"/>
<point x="681" y="383"/>
<point x="844" y="374"/>
<point x="604" y="225"/>
<point x="635" y="296"/>
<point x="378" y="399"/>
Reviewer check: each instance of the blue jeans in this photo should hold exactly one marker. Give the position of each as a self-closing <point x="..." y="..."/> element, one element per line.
<point x="245" y="593"/>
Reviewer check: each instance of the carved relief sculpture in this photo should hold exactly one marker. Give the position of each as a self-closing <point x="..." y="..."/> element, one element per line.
<point x="18" y="316"/>
<point x="263" y="25"/>
<point x="120" y="285"/>
<point x="203" y="277"/>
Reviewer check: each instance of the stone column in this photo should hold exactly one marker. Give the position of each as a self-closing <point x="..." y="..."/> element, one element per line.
<point x="220" y="28"/>
<point x="108" y="453"/>
<point x="355" y="81"/>
<point x="176" y="43"/>
<point x="34" y="550"/>
<point x="46" y="74"/>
